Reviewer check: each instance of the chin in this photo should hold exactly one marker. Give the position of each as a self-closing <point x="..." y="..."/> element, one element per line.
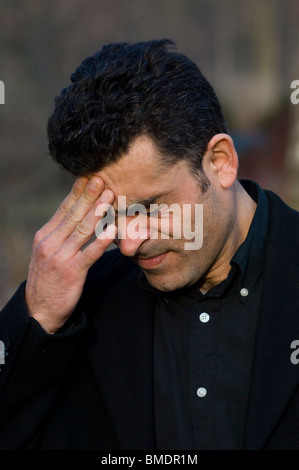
<point x="167" y="283"/>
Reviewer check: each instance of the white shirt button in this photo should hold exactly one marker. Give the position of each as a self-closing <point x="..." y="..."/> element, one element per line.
<point x="244" y="292"/>
<point x="204" y="317"/>
<point x="201" y="392"/>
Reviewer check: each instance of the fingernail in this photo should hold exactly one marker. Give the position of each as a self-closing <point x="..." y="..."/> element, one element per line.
<point x="104" y="196"/>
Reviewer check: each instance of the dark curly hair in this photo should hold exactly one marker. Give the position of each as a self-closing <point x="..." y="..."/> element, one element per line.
<point x="128" y="90"/>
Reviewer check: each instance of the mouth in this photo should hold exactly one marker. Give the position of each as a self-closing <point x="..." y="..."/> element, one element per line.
<point x="151" y="263"/>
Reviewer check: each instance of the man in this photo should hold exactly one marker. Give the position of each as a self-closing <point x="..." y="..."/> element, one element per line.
<point x="153" y="345"/>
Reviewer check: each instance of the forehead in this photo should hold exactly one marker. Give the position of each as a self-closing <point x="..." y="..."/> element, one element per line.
<point x="140" y="174"/>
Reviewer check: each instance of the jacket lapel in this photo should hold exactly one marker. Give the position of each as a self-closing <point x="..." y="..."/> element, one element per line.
<point x="274" y="376"/>
<point x="122" y="354"/>
<point x="123" y="363"/>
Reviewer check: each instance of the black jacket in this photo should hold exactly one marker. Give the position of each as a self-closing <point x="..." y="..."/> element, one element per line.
<point x="90" y="386"/>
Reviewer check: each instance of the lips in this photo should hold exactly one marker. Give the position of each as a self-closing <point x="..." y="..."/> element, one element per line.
<point x="150" y="263"/>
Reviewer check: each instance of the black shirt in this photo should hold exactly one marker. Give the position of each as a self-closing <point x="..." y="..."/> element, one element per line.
<point x="203" y="347"/>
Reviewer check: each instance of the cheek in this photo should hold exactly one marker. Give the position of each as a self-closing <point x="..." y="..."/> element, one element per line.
<point x="179" y="221"/>
<point x="166" y="226"/>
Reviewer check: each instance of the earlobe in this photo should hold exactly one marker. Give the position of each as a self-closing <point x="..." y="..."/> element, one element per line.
<point x="223" y="159"/>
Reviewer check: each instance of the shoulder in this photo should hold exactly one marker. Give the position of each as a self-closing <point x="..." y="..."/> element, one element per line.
<point x="283" y="227"/>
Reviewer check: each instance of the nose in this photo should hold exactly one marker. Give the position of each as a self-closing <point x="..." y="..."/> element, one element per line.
<point x="131" y="235"/>
<point x="129" y="247"/>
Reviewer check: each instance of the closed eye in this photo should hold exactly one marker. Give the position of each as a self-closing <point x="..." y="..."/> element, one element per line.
<point x="157" y="210"/>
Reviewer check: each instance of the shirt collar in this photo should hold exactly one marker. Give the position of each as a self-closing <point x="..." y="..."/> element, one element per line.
<point x="249" y="257"/>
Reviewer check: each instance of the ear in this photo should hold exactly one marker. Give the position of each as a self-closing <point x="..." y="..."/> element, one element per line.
<point x="223" y="159"/>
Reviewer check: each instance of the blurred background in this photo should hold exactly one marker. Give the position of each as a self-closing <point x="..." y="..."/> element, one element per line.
<point x="249" y="51"/>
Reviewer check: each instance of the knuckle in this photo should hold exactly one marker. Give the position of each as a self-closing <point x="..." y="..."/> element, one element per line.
<point x="89" y="196"/>
<point x="43" y="248"/>
<point x="73" y="216"/>
<point x="83" y="230"/>
<point x="63" y="207"/>
<point x="38" y="237"/>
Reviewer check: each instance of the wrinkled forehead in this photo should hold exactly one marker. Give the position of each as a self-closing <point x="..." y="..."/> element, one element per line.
<point x="140" y="175"/>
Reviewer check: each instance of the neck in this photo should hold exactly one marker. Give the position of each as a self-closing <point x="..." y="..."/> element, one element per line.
<point x="243" y="214"/>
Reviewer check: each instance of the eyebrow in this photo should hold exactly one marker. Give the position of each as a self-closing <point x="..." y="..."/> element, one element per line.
<point x="145" y="202"/>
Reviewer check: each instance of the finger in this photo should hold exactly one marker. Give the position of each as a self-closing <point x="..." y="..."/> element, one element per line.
<point x="95" y="249"/>
<point x="85" y="229"/>
<point x="80" y="209"/>
<point x="65" y="206"/>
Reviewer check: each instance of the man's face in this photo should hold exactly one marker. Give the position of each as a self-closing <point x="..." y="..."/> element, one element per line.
<point x="167" y="264"/>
